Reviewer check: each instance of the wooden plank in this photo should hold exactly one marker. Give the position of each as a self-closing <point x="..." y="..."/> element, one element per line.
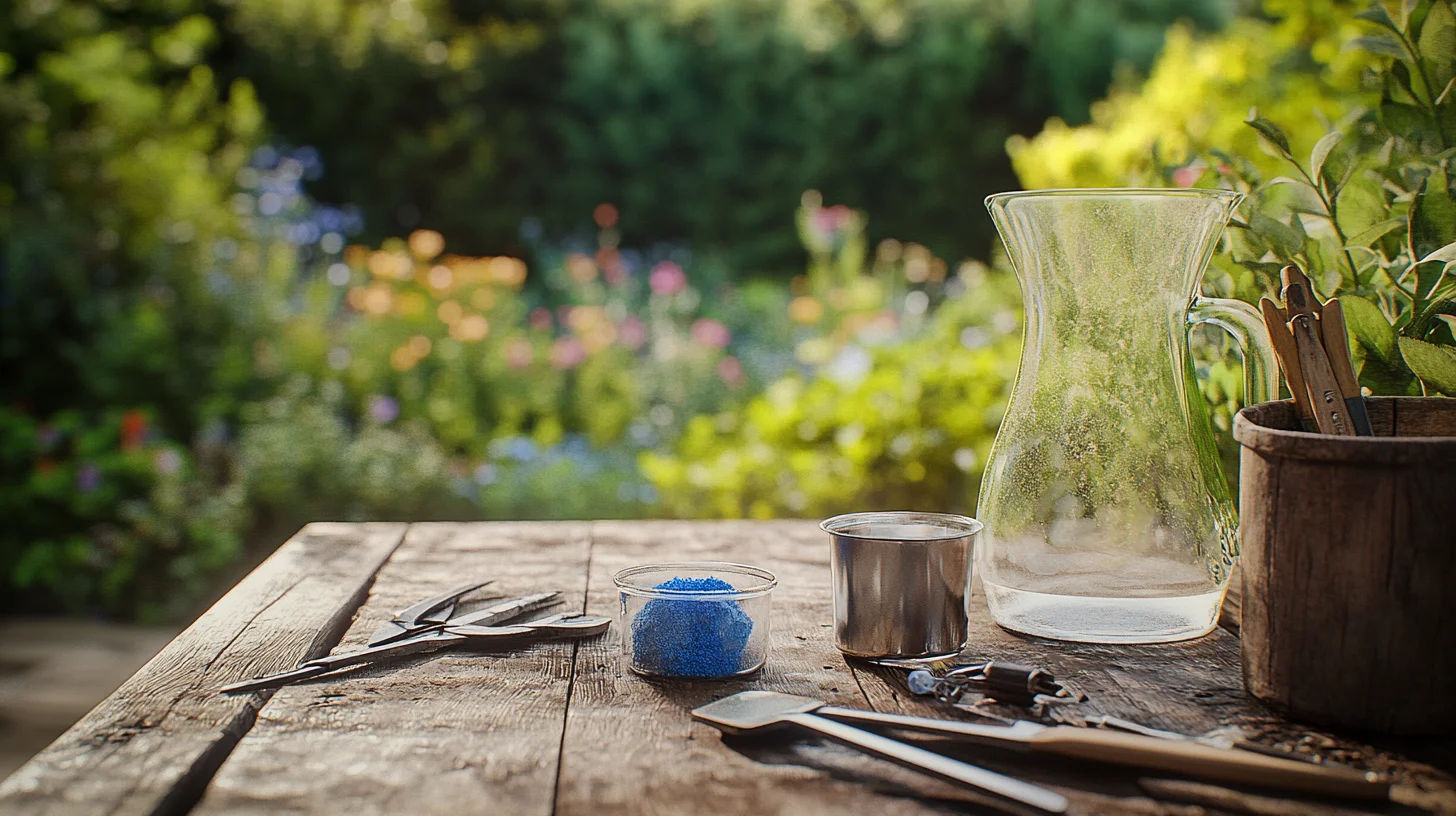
<point x="1192" y="687"/>
<point x="151" y="746"/>
<point x="448" y="733"/>
<point x="631" y="746"/>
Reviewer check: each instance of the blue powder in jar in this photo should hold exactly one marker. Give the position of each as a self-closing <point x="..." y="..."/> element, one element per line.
<point x="676" y="637"/>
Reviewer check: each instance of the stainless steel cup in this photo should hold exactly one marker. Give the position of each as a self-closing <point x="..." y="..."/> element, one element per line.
<point x="901" y="582"/>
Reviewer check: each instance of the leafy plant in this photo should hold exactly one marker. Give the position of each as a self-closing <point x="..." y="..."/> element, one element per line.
<point x="1371" y="214"/>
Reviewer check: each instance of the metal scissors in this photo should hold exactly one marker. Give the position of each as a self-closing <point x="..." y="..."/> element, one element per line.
<point x="471" y="627"/>
<point x="422" y="615"/>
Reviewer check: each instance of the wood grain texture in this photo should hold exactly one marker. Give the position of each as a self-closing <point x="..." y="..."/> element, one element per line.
<point x="152" y="745"/>
<point x="565" y="728"/>
<point x="446" y="733"/>
<point x="631" y="746"/>
<point x="1192" y="687"/>
<point x="1348" y="563"/>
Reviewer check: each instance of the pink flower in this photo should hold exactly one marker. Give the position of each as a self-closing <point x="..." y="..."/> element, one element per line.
<point x="567" y="352"/>
<point x="730" y="370"/>
<point x="829" y="220"/>
<point x="667" y="278"/>
<point x="615" y="273"/>
<point x="1188" y="175"/>
<point x="632" y="333"/>
<point x="540" y="318"/>
<point x="518" y="353"/>
<point x="711" y="333"/>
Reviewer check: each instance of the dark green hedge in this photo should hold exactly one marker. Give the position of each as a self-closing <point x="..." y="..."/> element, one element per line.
<point x="702" y="122"/>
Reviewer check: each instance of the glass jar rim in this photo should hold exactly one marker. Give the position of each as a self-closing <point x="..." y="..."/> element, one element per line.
<point x="958" y="526"/>
<point x="766" y="580"/>
<point x="1128" y="192"/>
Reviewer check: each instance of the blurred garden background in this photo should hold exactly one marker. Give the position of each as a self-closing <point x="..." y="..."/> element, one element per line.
<point x="264" y="262"/>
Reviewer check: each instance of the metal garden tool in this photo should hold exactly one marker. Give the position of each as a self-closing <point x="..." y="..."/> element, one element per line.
<point x="1178" y="757"/>
<point x="473" y="628"/>
<point x="426" y="613"/>
<point x="752" y="711"/>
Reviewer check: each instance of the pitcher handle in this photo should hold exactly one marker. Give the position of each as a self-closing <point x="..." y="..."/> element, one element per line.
<point x="1244" y="322"/>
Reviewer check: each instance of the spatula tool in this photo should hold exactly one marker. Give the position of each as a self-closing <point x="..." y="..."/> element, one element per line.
<point x="754" y="711"/>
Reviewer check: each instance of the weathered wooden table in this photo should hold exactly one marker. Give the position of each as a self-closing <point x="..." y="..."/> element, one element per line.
<point x="562" y="727"/>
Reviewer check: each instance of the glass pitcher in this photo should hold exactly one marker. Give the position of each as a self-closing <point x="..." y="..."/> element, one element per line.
<point x="1107" y="516"/>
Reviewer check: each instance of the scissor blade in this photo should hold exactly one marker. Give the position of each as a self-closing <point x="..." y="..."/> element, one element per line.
<point x="429" y="612"/>
<point x="423" y="609"/>
<point x="507" y="609"/>
<point x="303" y="672"/>
<point x="555" y="626"/>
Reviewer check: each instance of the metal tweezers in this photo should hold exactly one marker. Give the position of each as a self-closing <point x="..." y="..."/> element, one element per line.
<point x="432" y="624"/>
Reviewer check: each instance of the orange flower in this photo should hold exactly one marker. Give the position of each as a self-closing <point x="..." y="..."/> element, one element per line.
<point x="133" y="430"/>
<point x="426" y="244"/>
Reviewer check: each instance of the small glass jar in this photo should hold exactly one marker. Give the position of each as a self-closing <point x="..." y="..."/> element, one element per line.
<point x="694" y="620"/>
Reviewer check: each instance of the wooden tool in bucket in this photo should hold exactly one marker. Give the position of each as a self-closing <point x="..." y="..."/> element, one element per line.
<point x="1348" y="546"/>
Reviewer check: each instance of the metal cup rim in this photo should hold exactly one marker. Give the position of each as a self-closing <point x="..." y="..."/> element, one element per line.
<point x="970" y="526"/>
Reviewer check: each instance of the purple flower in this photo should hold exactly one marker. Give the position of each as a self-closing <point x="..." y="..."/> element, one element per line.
<point x="383" y="410"/>
<point x="88" y="478"/>
<point x="47" y="436"/>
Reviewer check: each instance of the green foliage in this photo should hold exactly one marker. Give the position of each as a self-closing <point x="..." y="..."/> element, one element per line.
<point x="1346" y="163"/>
<point x="701" y="121"/>
<point x="103" y="518"/>
<point x="117" y="151"/>
<point x="1371" y="215"/>
<point x="895" y="409"/>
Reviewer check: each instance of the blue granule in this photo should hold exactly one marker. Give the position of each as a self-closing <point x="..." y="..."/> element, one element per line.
<point x="687" y="638"/>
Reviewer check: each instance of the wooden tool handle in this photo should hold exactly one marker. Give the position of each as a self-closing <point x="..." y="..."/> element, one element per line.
<point x="1206" y="762"/>
<point x="1330" y="412"/>
<point x="1288" y="355"/>
<point x="1304" y="299"/>
<point x="1337" y="347"/>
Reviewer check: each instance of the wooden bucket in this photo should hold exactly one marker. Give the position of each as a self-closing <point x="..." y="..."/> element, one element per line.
<point x="1349" y="564"/>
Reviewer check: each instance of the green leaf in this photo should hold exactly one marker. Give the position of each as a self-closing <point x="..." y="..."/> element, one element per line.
<point x="1398" y="87"/>
<point x="1440" y="98"/>
<point x="1286" y="241"/>
<point x="1321" y="153"/>
<point x="1369" y="328"/>
<point x="1273" y="135"/>
<point x="1381" y="44"/>
<point x="1376" y="231"/>
<point x="1435" y="365"/>
<point x="1427" y="278"/>
<point x="1361" y="206"/>
<point x="1432" y="216"/>
<point x="1437" y="45"/>
<point x="1378" y="15"/>
<point x="1406" y="121"/>
<point x="1446" y="253"/>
